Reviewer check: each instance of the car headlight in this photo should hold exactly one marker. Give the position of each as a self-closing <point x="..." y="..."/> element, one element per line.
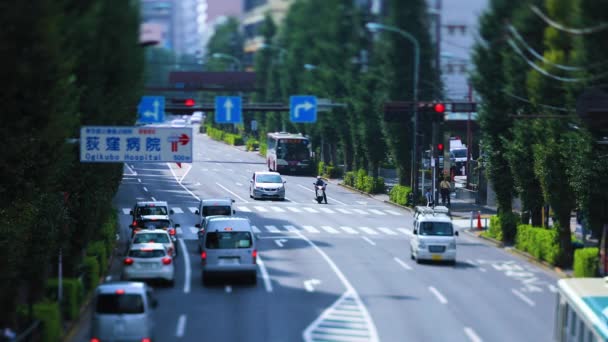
<point x="258" y="188"/>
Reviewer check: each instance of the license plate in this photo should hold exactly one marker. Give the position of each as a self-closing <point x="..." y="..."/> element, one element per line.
<point x="436" y="257"/>
<point x="228" y="261"/>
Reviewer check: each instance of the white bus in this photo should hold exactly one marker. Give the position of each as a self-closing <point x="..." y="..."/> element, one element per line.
<point x="288" y="152"/>
<point x="582" y="310"/>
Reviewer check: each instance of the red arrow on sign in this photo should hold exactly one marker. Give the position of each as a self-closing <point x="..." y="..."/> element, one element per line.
<point x="184" y="139"/>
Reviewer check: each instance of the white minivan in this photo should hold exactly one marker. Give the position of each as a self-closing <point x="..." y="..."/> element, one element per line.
<point x="434" y="236"/>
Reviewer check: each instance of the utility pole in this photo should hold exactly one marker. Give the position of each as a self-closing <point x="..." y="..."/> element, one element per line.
<point x="469" y="139"/>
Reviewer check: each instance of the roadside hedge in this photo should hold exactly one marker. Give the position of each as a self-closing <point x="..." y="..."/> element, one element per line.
<point x="214" y="133"/>
<point x="98" y="250"/>
<point x="263" y="149"/>
<point x="108" y="232"/>
<point x="90" y="272"/>
<point x="361" y="181"/>
<point x="48" y="313"/>
<point x="586" y="262"/>
<point x="539" y="242"/>
<point x="233" y="139"/>
<point x="399" y="194"/>
<point x="328" y="171"/>
<point x="252" y="145"/>
<point x="494" y="230"/>
<point x="73" y="295"/>
<point x="349" y="178"/>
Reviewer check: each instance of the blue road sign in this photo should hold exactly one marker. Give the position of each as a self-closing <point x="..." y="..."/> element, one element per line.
<point x="303" y="108"/>
<point x="228" y="109"/>
<point x="151" y="109"/>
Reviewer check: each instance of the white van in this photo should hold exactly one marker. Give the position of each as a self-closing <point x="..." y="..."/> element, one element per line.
<point x="434" y="236"/>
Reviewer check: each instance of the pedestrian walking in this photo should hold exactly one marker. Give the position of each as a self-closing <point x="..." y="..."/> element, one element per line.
<point x="429" y="197"/>
<point x="445" y="188"/>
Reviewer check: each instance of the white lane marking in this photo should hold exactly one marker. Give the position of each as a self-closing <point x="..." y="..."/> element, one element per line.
<point x="223" y="187"/>
<point x="126" y="211"/>
<point x="482" y="270"/>
<point x="295" y="210"/>
<point x="310" y="210"/>
<point x="178" y="210"/>
<point x="330" y="230"/>
<point x="403" y="264"/>
<point x="310" y="284"/>
<point x="360" y="211"/>
<point x="392" y="212"/>
<point x="311" y="229"/>
<point x="244" y="209"/>
<point x="327" y="210"/>
<point x="228" y="289"/>
<point x="280" y="242"/>
<point x="437" y="294"/>
<point x="153" y="199"/>
<point x="230" y="170"/>
<point x="523" y="297"/>
<point x="139" y="180"/>
<point x="342" y="210"/>
<point x="185" y="174"/>
<point x="350" y="292"/>
<point x="181" y="326"/>
<point x="133" y="173"/>
<point x="368" y="230"/>
<point x="265" y="276"/>
<point x="405" y="231"/>
<point x="349" y="230"/>
<point x="472" y="335"/>
<point x="187" y="267"/>
<point x="368" y="240"/>
<point x="145" y="189"/>
<point x="329" y="198"/>
<point x="277" y="209"/>
<point x="255" y="229"/>
<point x="291" y="228"/>
<point x="182" y="185"/>
<point x="377" y="212"/>
<point x="218" y="164"/>
<point x="261" y="209"/>
<point x="205" y="170"/>
<point x="272" y="229"/>
<point x="192" y="209"/>
<point x="238" y="184"/>
<point x="386" y="231"/>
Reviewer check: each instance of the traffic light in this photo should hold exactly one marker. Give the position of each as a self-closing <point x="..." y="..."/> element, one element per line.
<point x="434" y="110"/>
<point x="189" y="102"/>
<point x="440" y="148"/>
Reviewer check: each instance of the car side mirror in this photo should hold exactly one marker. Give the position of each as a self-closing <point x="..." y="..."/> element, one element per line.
<point x="198" y="225"/>
<point x="234" y="211"/>
<point x="456" y="233"/>
<point x="131" y="212"/>
<point x="197" y="212"/>
<point x="251" y="181"/>
<point x="233" y="201"/>
<point x="415" y="231"/>
<point x="171" y="212"/>
<point x="284" y="181"/>
<point x="177" y="225"/>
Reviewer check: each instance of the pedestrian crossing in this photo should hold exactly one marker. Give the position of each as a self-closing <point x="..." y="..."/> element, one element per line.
<point x="293" y="209"/>
<point x="312" y="230"/>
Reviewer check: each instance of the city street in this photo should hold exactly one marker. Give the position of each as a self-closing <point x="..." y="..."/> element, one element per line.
<point x="335" y="272"/>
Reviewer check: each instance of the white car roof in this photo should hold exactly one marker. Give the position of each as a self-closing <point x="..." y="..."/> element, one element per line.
<point x="267" y="173"/>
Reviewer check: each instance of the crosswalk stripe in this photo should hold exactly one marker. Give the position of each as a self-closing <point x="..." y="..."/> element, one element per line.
<point x="245" y="209"/>
<point x="377" y="212"/>
<point x="368" y="230"/>
<point x="343" y="211"/>
<point x="192" y="209"/>
<point x="291" y="228"/>
<point x="272" y="229"/>
<point x="349" y="230"/>
<point x="386" y="231"/>
<point x="178" y="210"/>
<point x="255" y="229"/>
<point x="310" y="210"/>
<point x="330" y="229"/>
<point x="327" y="210"/>
<point x="360" y="211"/>
<point x="295" y="210"/>
<point x="392" y="212"/>
<point x="311" y="229"/>
<point x="405" y="231"/>
<point x="277" y="209"/>
<point x="126" y="211"/>
<point x="261" y="209"/>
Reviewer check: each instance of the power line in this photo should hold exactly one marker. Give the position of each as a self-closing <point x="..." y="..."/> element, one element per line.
<point x="561" y="109"/>
<point x="577" y="31"/>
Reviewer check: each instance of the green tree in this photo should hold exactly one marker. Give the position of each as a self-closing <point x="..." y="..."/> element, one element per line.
<point x="228" y="40"/>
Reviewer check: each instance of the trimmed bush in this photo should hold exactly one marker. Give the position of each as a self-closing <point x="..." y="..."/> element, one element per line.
<point x="263" y="149"/>
<point x="108" y="232"/>
<point x="320" y="168"/>
<point x="73" y="295"/>
<point x="90" y="269"/>
<point x="214" y="133"/>
<point x="48" y="313"/>
<point x="539" y="242"/>
<point x="494" y="230"/>
<point x="252" y="145"/>
<point x="586" y="262"/>
<point x="399" y="194"/>
<point x="360" y="179"/>
<point x="233" y="139"/>
<point x="372" y="185"/>
<point x="349" y="178"/>
<point x="98" y="249"/>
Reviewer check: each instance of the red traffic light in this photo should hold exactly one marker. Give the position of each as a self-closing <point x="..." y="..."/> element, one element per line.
<point x="440" y="148"/>
<point x="189" y="102"/>
<point x="439" y="108"/>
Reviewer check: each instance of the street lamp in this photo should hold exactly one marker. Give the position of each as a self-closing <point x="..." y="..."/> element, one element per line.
<point x="226" y="56"/>
<point x="310" y="67"/>
<point x="375" y="27"/>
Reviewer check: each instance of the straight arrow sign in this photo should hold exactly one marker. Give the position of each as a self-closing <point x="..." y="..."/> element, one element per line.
<point x="228" y="108"/>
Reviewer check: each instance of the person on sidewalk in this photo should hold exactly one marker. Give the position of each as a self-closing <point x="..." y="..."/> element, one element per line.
<point x="429" y="197"/>
<point x="445" y="188"/>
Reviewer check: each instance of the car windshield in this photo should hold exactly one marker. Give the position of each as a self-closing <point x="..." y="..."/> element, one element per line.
<point x="216" y="210"/>
<point x="151" y="237"/>
<point x="155" y="224"/>
<point x="269" y="179"/>
<point x="113" y="304"/>
<point x="144" y="211"/>
<point x="146" y="254"/>
<point x="228" y="240"/>
<point x="436" y="228"/>
<point x="460" y="153"/>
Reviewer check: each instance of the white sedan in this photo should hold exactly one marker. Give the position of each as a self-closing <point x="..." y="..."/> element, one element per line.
<point x="178" y="123"/>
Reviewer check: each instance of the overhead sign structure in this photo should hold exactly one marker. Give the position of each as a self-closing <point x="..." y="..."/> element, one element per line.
<point x="151" y="109"/>
<point x="228" y="110"/>
<point x="116" y="144"/>
<point x="303" y="108"/>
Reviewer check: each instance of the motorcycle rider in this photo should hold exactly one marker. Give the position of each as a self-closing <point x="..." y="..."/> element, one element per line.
<point x="321" y="182"/>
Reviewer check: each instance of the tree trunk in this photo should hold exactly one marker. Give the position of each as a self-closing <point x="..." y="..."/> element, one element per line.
<point x="565" y="239"/>
<point x="537" y="216"/>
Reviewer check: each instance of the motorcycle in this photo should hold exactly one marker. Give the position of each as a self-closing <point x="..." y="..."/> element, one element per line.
<point x="320" y="192"/>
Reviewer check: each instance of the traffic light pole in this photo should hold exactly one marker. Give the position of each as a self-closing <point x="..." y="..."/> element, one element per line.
<point x="434" y="155"/>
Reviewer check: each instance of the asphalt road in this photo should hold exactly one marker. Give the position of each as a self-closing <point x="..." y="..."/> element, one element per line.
<point x="335" y="272"/>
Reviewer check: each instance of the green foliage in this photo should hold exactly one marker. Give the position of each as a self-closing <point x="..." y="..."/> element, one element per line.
<point x="328" y="171"/>
<point x="233" y="139"/>
<point x="252" y="144"/>
<point x="349" y="178"/>
<point x="229" y="138"/>
<point x="539" y="242"/>
<point x="108" y="232"/>
<point x="227" y="39"/>
<point x="215" y="133"/>
<point x="399" y="194"/>
<point x="73" y="295"/>
<point x="320" y="168"/>
<point x="263" y="148"/>
<point x="494" y="230"/>
<point x="586" y="261"/>
<point x="48" y="314"/>
<point x="98" y="250"/>
<point x="90" y="272"/>
<point x="360" y="179"/>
